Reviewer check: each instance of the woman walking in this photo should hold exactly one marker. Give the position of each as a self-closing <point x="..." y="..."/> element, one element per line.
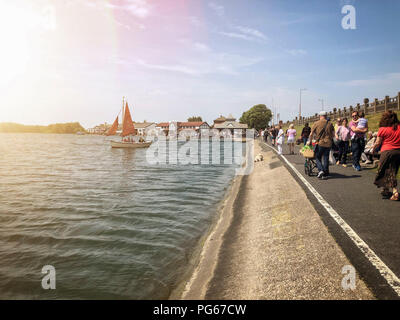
<point x="342" y="135"/>
<point x="291" y="134"/>
<point x="305" y="133"/>
<point x="280" y="138"/>
<point x="389" y="162"/>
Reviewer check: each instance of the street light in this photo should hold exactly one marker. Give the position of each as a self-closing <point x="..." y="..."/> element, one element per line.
<point x="322" y="100"/>
<point x="301" y="90"/>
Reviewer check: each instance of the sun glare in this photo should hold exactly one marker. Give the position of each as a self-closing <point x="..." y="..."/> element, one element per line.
<point x="15" y="27"/>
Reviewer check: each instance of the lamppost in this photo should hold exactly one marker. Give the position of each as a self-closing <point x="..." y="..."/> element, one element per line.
<point x="301" y="90"/>
<point x="322" y="101"/>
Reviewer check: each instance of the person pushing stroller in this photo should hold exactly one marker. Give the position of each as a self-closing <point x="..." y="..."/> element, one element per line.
<point x="324" y="133"/>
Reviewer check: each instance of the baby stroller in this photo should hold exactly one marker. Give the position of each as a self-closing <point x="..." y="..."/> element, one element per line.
<point x="309" y="163"/>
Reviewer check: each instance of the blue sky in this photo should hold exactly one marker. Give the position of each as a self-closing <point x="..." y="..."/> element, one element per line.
<point x="175" y="59"/>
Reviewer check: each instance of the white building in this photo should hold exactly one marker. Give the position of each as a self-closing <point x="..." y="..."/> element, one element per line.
<point x="145" y="128"/>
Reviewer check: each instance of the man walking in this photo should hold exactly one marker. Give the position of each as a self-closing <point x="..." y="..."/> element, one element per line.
<point x="358" y="129"/>
<point x="324" y="133"/>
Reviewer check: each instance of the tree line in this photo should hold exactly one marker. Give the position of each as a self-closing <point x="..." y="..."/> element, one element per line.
<point x="71" y="127"/>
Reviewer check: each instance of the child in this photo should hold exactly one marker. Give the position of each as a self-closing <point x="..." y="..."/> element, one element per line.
<point x="361" y="123"/>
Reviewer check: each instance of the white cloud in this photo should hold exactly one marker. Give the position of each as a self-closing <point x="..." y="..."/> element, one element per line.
<point x="214" y="63"/>
<point x="175" y="68"/>
<point x="245" y="33"/>
<point x="195" y="21"/>
<point x="297" y="52"/>
<point x="138" y="8"/>
<point x="201" y="47"/>
<point x="218" y="9"/>
<point x="252" y="32"/>
<point x="236" y="35"/>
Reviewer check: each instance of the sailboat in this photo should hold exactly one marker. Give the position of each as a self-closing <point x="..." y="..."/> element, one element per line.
<point x="128" y="131"/>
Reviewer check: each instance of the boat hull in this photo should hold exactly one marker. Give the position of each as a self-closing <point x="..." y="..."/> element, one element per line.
<point x="130" y="145"/>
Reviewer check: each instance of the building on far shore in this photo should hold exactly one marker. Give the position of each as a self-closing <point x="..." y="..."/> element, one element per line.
<point x="229" y="122"/>
<point x="175" y="127"/>
<point x="99" y="129"/>
<point x="145" y="128"/>
<point x="162" y="128"/>
<point x="228" y="126"/>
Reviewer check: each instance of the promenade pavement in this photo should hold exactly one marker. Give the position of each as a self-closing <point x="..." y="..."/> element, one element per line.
<point x="272" y="245"/>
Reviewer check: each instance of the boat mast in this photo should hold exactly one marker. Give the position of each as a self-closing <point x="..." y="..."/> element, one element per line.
<point x="123" y="105"/>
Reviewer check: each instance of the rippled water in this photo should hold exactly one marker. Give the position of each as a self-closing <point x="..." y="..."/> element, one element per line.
<point x="112" y="225"/>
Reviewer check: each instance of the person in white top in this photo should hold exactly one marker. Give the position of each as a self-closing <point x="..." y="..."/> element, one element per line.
<point x="280" y="139"/>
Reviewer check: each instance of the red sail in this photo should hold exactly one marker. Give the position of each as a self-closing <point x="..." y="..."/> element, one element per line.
<point x="127" y="124"/>
<point x="113" y="130"/>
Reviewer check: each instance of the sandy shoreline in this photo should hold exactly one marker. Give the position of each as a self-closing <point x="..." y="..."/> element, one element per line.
<point x="268" y="243"/>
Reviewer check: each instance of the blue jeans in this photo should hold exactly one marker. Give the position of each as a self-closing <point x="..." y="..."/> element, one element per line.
<point x="322" y="158"/>
<point x="357" y="148"/>
<point x="305" y="140"/>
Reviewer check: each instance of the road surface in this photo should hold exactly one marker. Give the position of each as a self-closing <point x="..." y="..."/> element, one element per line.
<point x="376" y="222"/>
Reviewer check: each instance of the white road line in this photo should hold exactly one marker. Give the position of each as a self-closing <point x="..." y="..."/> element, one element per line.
<point x="383" y="269"/>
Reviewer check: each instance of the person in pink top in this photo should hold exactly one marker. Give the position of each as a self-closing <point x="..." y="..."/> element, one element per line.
<point x="342" y="135"/>
<point x="291" y="134"/>
<point x="389" y="161"/>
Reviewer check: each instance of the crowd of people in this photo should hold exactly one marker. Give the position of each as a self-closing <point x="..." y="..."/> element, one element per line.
<point x="333" y="142"/>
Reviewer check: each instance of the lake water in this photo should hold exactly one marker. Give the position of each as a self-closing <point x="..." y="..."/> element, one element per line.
<point x="113" y="226"/>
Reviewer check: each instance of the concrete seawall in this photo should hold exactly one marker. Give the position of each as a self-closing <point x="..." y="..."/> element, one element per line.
<point x="270" y="243"/>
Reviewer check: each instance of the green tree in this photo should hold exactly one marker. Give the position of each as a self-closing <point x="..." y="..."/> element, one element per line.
<point x="195" y="119"/>
<point x="257" y="117"/>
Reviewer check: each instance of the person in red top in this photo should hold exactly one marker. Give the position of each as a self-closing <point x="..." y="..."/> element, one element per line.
<point x="389" y="162"/>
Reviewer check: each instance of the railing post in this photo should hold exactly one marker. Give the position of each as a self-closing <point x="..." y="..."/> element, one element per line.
<point x="375" y="104"/>
<point x="358" y="107"/>
<point x="398" y="101"/>
<point x="386" y="102"/>
<point x="366" y="105"/>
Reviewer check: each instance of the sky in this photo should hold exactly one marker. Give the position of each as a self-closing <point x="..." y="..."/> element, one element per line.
<point x="74" y="60"/>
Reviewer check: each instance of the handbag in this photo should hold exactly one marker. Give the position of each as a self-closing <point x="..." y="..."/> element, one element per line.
<point x="308" y="153"/>
<point x="322" y="133"/>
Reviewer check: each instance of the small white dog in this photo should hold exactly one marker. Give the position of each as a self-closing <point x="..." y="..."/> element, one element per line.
<point x="259" y="157"/>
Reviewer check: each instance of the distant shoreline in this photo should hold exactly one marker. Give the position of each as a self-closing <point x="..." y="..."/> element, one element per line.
<point x="60" y="128"/>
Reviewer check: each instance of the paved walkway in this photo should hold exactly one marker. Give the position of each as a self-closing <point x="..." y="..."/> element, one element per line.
<point x="273" y="245"/>
<point x="358" y="201"/>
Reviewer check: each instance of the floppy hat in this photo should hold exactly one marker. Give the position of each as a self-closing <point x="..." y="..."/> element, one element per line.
<point x="323" y="113"/>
